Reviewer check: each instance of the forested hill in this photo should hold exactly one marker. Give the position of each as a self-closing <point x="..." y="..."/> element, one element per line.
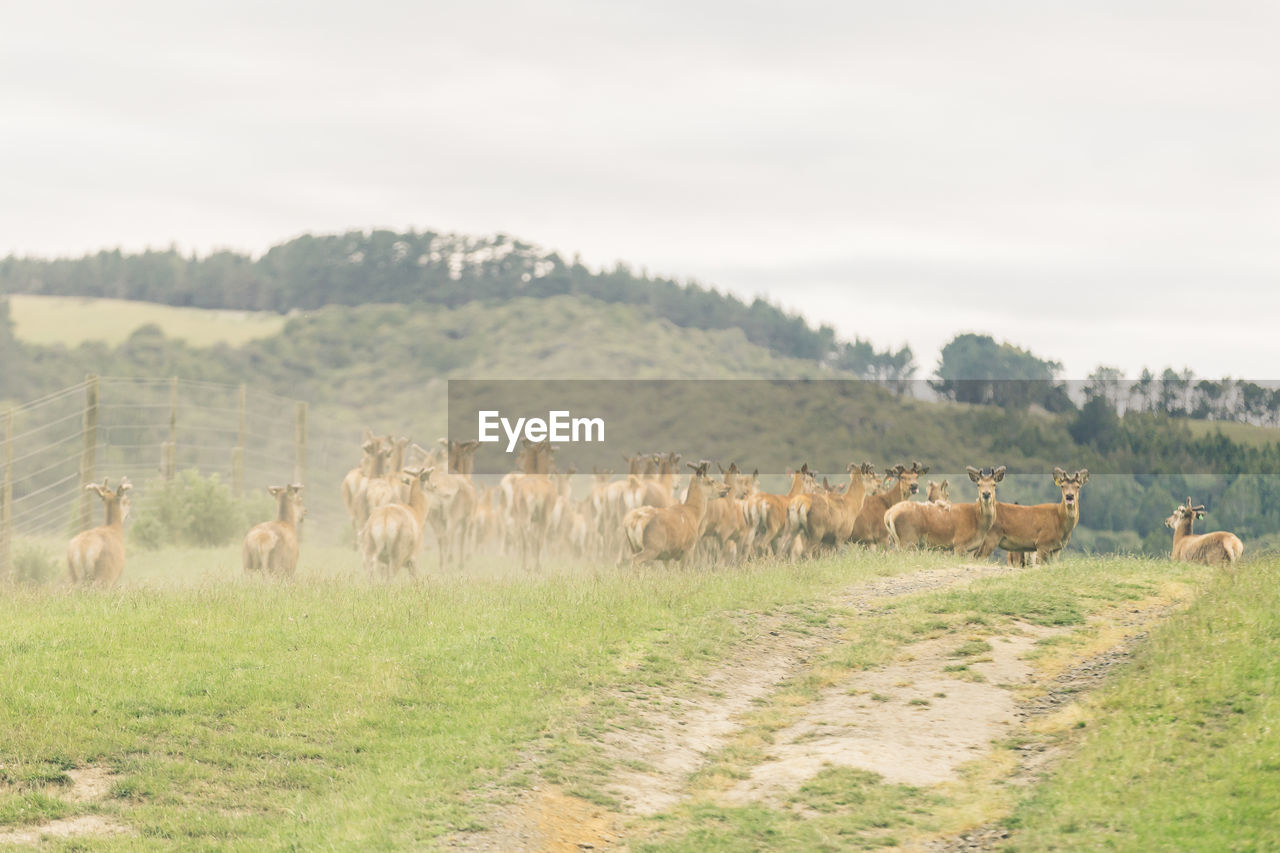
<point x="424" y="267"/>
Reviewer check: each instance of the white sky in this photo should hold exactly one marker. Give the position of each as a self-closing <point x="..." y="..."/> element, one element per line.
<point x="1098" y="182"/>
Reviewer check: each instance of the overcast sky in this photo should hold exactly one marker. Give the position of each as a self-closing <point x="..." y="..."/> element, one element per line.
<point x="1098" y="182"/>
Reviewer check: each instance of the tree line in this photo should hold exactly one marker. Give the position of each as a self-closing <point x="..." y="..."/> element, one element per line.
<point x="381" y="266"/>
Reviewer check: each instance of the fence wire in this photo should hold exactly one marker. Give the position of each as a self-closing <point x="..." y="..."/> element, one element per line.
<point x="147" y="429"/>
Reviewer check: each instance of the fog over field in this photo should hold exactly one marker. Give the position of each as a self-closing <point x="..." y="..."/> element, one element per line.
<point x="1095" y="182"/>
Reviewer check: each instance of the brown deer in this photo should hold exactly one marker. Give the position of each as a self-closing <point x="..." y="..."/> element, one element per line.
<point x="378" y="453"/>
<point x="726" y="531"/>
<point x="454" y="501"/>
<point x="1040" y="529"/>
<point x="97" y="556"/>
<point x="938" y="493"/>
<point x="767" y="513"/>
<point x="1213" y="549"/>
<point x="353" y="482"/>
<point x="485" y="524"/>
<point x="671" y="532"/>
<point x="386" y="487"/>
<point x="870" y="529"/>
<point x="960" y="527"/>
<point x="826" y="519"/>
<point x="534" y="497"/>
<point x="392" y="536"/>
<point x="604" y="514"/>
<point x="272" y="546"/>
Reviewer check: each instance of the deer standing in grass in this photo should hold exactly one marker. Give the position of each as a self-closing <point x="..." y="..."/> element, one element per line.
<point x="533" y="499"/>
<point x="272" y="546"/>
<point x="826" y="519"/>
<point x="354" y="482"/>
<point x="97" y="556"/>
<point x="1040" y="529"/>
<point x="870" y="528"/>
<point x="1213" y="549"/>
<point x="377" y="453"/>
<point x="387" y="487"/>
<point x="767" y="513"/>
<point x="670" y="532"/>
<point x="454" y="500"/>
<point x="726" y="531"/>
<point x="960" y="527"/>
<point x="392" y="536"/>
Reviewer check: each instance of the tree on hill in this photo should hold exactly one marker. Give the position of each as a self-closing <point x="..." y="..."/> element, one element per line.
<point x="381" y="266"/>
<point x="975" y="369"/>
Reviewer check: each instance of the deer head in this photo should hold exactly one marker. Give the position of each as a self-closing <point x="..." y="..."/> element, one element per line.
<point x="1070" y="485"/>
<point x="986" y="480"/>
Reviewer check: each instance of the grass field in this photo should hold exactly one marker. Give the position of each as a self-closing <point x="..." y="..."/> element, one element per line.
<point x="1246" y="434"/>
<point x="329" y="713"/>
<point x="71" y="321"/>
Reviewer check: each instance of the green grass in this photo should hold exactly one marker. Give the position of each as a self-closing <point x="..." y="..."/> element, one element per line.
<point x="1183" y="751"/>
<point x="71" y="321"/>
<point x="1246" y="434"/>
<point x="328" y="712"/>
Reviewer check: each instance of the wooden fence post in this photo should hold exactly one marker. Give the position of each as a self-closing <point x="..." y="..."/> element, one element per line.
<point x="169" y="454"/>
<point x="89" y="445"/>
<point x="6" y="501"/>
<point x="300" y="443"/>
<point x="237" y="454"/>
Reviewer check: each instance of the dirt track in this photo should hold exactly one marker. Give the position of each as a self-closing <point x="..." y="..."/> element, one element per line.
<point x="914" y="721"/>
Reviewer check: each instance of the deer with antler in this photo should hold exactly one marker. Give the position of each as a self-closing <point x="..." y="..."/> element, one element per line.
<point x="671" y="532"/>
<point x="870" y="528"/>
<point x="1213" y="549"/>
<point x="97" y="556"/>
<point x="935" y="524"/>
<point x="726" y="531"/>
<point x="827" y="518"/>
<point x="1040" y="529"/>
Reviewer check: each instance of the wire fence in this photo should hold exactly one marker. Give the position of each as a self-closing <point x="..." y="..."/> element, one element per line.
<point x="148" y="430"/>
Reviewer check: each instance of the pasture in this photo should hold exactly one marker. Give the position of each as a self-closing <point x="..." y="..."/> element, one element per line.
<point x="487" y="706"/>
<point x="70" y="321"/>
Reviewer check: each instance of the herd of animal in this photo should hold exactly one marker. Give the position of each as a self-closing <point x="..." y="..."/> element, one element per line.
<point x="400" y="490"/>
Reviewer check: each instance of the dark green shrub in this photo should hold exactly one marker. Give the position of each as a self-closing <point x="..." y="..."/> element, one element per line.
<point x="194" y="511"/>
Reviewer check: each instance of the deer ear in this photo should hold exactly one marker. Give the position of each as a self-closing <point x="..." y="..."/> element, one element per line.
<point x="945" y="484"/>
<point x="1083" y="475"/>
<point x="924" y="470"/>
<point x="999" y="472"/>
<point x="974" y="473"/>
